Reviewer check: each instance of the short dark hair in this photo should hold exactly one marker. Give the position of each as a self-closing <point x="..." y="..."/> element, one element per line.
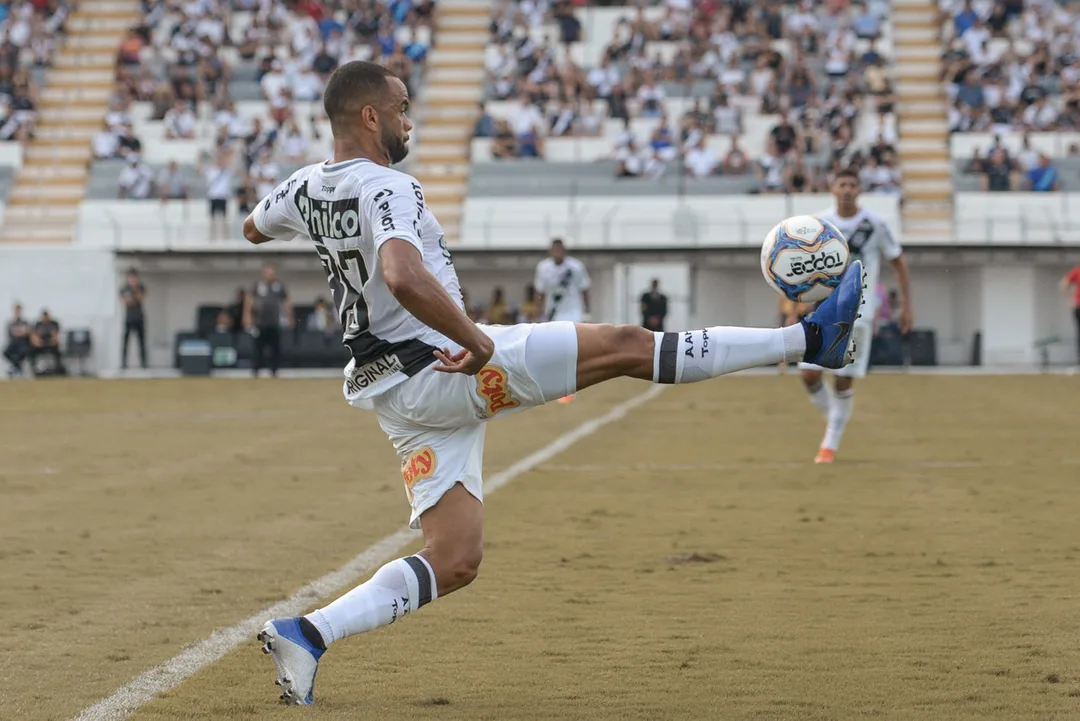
<point x="354" y="85"/>
<point x="848" y="172"/>
<point x="557" y="242"/>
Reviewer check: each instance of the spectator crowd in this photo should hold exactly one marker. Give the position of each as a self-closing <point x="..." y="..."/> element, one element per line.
<point x="30" y="31"/>
<point x="811" y="70"/>
<point x="184" y="61"/>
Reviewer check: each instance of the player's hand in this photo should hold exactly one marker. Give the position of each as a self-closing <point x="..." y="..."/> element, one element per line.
<point x="464" y="361"/>
<point x="905" y="320"/>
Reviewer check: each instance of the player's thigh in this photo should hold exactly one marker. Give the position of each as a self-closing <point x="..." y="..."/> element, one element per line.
<point x="534" y="363"/>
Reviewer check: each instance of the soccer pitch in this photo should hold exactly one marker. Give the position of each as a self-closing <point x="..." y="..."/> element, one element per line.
<point x="686" y="561"/>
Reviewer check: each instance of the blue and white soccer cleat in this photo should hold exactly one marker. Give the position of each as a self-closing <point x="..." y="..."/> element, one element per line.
<point x="296" y="657"/>
<point x="836" y="317"/>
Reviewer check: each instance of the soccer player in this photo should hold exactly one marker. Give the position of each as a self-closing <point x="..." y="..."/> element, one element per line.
<point x="563" y="285"/>
<point x="870" y="240"/>
<point x="433" y="377"/>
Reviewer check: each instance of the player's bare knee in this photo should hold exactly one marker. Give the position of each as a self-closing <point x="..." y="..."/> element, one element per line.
<point x="631" y="345"/>
<point x="456" y="564"/>
<point x="812" y="379"/>
<point x="844" y="384"/>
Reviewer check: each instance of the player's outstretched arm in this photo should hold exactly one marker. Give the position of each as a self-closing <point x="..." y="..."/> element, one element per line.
<point x="252" y="234"/>
<point x="420" y="293"/>
<point x="903" y="279"/>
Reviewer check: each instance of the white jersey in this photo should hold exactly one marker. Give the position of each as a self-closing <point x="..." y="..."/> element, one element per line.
<point x="562" y="285"/>
<point x="348" y="210"/>
<point x="869" y="240"/>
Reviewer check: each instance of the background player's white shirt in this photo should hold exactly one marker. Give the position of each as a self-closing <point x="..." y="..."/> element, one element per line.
<point x="870" y="240"/>
<point x="562" y="286"/>
<point x="349" y="210"/>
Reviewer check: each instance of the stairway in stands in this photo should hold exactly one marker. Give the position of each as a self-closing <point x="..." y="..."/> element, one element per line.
<point x="44" y="203"/>
<point x="453" y="87"/>
<point x="923" y="121"/>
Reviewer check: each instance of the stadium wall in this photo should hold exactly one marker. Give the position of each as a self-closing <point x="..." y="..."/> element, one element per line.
<point x="78" y="286"/>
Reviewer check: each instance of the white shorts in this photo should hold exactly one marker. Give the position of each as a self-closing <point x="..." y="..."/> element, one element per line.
<point x="436" y="420"/>
<point x="864" y="336"/>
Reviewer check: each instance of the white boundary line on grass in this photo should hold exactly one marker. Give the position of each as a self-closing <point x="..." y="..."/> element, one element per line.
<point x="176" y="670"/>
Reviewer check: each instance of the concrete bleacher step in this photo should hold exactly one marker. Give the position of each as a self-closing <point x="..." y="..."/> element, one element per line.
<point x="915" y="165"/>
<point x="441" y="172"/>
<point x="897" y="4"/>
<point x="472" y="92"/>
<point x="85" y="25"/>
<point x="37" y="154"/>
<point x="53" y="173"/>
<point x="442" y="56"/>
<point x="439" y="74"/>
<point x="58" y="114"/>
<point x="475" y="22"/>
<point x="457" y="132"/>
<point x="939" y="173"/>
<point x="930" y="134"/>
<point x="465" y="7"/>
<point x="84" y="60"/>
<point x="443" y="153"/>
<point x="67" y="134"/>
<point x="916" y="53"/>
<point x="82" y="78"/>
<point x="83" y="97"/>
<point x="90" y="44"/>
<point x="936" y="125"/>
<point x="916" y="34"/>
<point x="37" y="193"/>
<point x="917" y="71"/>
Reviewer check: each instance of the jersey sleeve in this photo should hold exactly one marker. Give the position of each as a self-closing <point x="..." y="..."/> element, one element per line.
<point x="393" y="209"/>
<point x="890" y="246"/>
<point x="277" y="216"/>
<point x="538" y="279"/>
<point x="1074" y="276"/>
<point x="584" y="281"/>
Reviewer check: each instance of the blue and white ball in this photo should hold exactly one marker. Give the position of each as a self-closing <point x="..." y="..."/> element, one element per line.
<point x="803" y="258"/>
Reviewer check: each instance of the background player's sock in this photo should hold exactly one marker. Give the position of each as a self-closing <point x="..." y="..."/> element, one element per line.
<point x="690" y="356"/>
<point x="821" y="396"/>
<point x="397" y="589"/>
<point x="839" y="413"/>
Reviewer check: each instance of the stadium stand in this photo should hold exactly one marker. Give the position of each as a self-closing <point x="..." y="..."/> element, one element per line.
<point x="159" y="95"/>
<point x="737" y="97"/>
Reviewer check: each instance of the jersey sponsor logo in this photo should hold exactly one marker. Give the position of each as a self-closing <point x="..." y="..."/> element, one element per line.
<point x="338" y="219"/>
<point x="493" y="385"/>
<point x="372" y="372"/>
<point x="382" y="205"/>
<point x="418" y="466"/>
<point x="283" y="193"/>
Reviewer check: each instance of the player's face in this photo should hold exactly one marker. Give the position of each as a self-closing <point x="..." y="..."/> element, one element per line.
<point x="846" y="191"/>
<point x="558" y="253"/>
<point x="395" y="123"/>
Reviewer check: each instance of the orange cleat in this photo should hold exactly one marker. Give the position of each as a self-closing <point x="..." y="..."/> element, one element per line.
<point x="825" y="456"/>
<point x="567" y="399"/>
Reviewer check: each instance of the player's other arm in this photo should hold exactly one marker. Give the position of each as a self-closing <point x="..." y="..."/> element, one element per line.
<point x="900" y="266"/>
<point x="420" y="293"/>
<point x="1069" y="280"/>
<point x="274" y="218"/>
<point x="586" y="285"/>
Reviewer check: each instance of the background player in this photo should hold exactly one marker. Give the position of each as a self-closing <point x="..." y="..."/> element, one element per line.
<point x="563" y="285"/>
<point x="870" y="240"/>
<point x="434" y="377"/>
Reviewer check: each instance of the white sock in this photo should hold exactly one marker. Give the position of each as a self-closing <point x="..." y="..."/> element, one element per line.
<point x="396" y="590"/>
<point x="690" y="356"/>
<point x="822" y="397"/>
<point x="839" y="413"/>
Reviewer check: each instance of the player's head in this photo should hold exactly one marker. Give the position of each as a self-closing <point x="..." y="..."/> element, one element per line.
<point x="558" y="250"/>
<point x="845" y="188"/>
<point x="17" y="310"/>
<point x="269" y="272"/>
<point x="369" y="105"/>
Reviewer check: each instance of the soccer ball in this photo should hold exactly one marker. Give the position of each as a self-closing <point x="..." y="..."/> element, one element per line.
<point x="803" y="258"/>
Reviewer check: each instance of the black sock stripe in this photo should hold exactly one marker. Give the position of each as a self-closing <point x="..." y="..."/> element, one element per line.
<point x="423" y="579"/>
<point x="669" y="358"/>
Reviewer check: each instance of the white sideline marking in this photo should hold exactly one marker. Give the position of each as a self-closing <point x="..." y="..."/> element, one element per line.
<point x="173" y="672"/>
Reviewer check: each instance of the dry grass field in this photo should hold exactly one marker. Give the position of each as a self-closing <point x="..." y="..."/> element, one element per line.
<point x="686" y="562"/>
